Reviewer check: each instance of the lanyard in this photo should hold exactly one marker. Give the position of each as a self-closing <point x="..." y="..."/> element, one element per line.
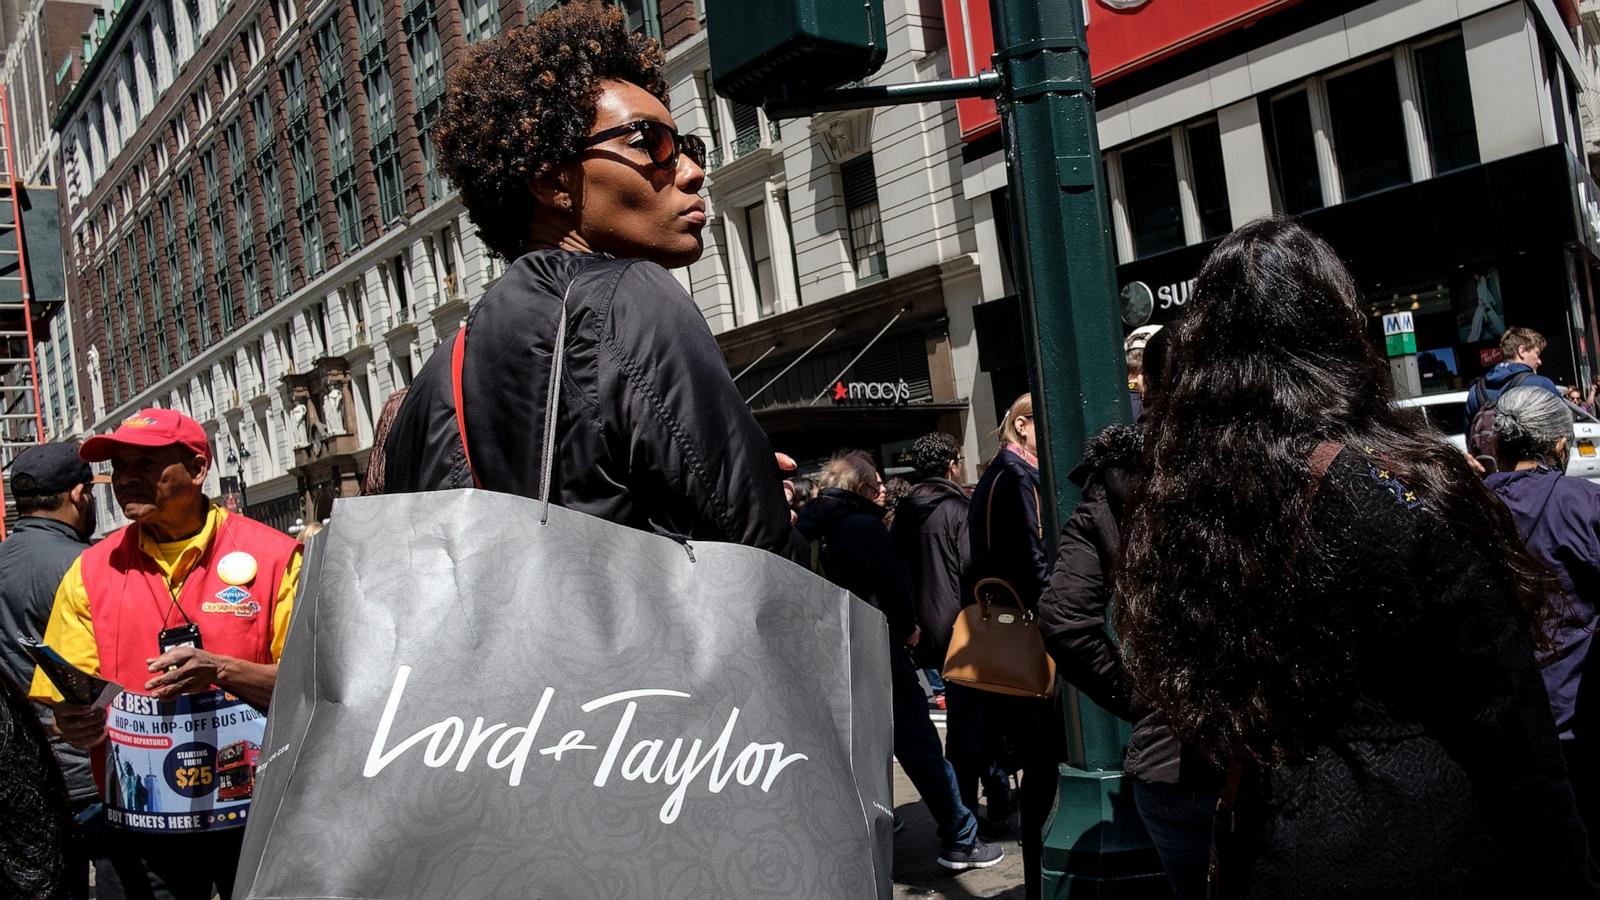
<point x="176" y="591"/>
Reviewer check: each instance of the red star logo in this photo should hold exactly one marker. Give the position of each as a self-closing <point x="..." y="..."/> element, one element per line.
<point x="839" y="392"/>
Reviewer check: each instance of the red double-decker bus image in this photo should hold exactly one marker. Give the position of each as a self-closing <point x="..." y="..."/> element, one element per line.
<point x="236" y="770"/>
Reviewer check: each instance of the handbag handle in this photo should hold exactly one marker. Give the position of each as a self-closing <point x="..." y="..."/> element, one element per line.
<point x="980" y="595"/>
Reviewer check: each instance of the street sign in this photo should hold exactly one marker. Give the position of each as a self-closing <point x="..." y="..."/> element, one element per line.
<point x="1399" y="323"/>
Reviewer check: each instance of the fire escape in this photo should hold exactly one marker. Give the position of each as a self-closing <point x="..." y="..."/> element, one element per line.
<point x="21" y="410"/>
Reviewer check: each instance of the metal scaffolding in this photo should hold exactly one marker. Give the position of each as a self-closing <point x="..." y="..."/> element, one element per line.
<point x="21" y="409"/>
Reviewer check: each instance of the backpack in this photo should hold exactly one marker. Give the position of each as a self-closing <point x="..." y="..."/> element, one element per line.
<point x="1480" y="431"/>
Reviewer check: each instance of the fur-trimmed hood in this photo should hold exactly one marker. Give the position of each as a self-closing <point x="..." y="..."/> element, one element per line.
<point x="1119" y="446"/>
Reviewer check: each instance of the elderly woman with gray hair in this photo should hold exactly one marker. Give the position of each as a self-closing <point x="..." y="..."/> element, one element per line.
<point x="1559" y="517"/>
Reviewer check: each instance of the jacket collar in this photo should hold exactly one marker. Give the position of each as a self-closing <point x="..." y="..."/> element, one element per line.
<point x="44" y="523"/>
<point x="854" y="502"/>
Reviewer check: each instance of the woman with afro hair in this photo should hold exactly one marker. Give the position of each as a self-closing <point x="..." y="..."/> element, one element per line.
<point x="571" y="166"/>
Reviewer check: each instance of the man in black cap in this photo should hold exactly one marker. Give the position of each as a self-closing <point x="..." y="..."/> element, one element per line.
<point x="51" y="487"/>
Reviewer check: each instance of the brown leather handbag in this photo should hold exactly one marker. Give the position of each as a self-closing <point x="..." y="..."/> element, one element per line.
<point x="997" y="647"/>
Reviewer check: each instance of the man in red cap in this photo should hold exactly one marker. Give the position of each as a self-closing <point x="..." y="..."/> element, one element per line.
<point x="186" y="609"/>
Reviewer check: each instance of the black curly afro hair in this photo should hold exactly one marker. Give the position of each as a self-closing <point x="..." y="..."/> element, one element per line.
<point x="933" y="453"/>
<point x="523" y="102"/>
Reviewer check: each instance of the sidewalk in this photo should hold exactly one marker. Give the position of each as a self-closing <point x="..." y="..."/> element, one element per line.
<point x="917" y="872"/>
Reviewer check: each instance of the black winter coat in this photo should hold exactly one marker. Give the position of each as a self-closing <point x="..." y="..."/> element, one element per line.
<point x="857" y="555"/>
<point x="1436" y="771"/>
<point x="652" y="432"/>
<point x="1075" y="605"/>
<point x="1005" y="529"/>
<point x="930" y="532"/>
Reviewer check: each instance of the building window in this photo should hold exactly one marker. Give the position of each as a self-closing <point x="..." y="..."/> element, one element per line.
<point x="380" y="111"/>
<point x="708" y="99"/>
<point x="305" y="166"/>
<point x="1346" y="135"/>
<point x="243" y="217"/>
<point x="480" y="19"/>
<point x="137" y="293"/>
<point x="643" y="16"/>
<point x="336" y="116"/>
<point x="271" y="193"/>
<point x="758" y="252"/>
<point x="1294" y="146"/>
<point x="1150" y="188"/>
<point x="860" y="183"/>
<point x="197" y="264"/>
<point x="1209" y="180"/>
<point x="201" y="102"/>
<point x="227" y="77"/>
<point x="254" y="46"/>
<point x="169" y="243"/>
<point x="166" y="359"/>
<point x="1369" y="131"/>
<point x="1446" y="100"/>
<point x="397" y="273"/>
<point x="284" y="14"/>
<point x="427" y="73"/>
<point x="219" y="241"/>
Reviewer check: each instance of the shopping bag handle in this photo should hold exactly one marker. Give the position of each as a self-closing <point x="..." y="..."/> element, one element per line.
<point x="552" y="399"/>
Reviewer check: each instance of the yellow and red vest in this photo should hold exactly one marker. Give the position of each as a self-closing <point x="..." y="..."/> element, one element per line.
<point x="130" y="605"/>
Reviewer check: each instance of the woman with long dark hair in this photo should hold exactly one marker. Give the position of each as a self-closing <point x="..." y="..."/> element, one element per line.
<point x="1321" y="597"/>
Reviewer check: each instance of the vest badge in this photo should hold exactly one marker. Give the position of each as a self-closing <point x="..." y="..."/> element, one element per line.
<point x="233" y="599"/>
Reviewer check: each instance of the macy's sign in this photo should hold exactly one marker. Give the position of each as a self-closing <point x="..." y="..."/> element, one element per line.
<point x="878" y="391"/>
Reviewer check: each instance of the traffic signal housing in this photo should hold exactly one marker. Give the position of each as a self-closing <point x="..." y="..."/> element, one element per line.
<point x="769" y="49"/>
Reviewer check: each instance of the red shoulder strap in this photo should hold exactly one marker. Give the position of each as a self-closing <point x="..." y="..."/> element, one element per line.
<point x="458" y="358"/>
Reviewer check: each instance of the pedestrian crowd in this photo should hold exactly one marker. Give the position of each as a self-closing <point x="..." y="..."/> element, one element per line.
<point x="1352" y="666"/>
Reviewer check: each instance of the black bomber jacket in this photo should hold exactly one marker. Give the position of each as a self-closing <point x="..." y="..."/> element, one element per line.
<point x="652" y="433"/>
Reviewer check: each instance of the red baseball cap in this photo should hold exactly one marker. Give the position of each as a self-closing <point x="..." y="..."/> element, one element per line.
<point x="148" y="428"/>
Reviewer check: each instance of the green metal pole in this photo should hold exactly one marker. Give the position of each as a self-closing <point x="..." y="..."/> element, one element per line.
<point x="1095" y="845"/>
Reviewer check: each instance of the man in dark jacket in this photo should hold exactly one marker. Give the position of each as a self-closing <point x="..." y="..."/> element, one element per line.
<point x="1520" y="349"/>
<point x="852" y="548"/>
<point x="51" y="487"/>
<point x="930" y="533"/>
<point x="651" y="431"/>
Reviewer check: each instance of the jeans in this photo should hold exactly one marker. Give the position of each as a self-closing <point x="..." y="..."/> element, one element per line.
<point x="975" y="749"/>
<point x="916" y="746"/>
<point x="935" y="680"/>
<point x="1179" y="821"/>
<point x="985" y="728"/>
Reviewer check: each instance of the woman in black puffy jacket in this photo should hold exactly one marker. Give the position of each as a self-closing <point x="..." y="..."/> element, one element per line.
<point x="1175" y="791"/>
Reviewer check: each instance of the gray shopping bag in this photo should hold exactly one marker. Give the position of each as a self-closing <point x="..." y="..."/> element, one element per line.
<point x="473" y="704"/>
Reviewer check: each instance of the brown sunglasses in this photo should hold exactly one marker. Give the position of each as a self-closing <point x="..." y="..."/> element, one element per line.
<point x="661" y="141"/>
